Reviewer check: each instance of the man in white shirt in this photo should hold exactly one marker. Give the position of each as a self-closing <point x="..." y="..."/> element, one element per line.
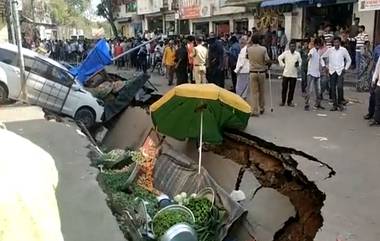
<point x="200" y="55"/>
<point x="313" y="76"/>
<point x="242" y="69"/>
<point x="339" y="61"/>
<point x="376" y="83"/>
<point x="291" y="61"/>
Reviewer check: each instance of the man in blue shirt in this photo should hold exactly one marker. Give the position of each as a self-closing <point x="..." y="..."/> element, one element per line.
<point x="233" y="54"/>
<point x="372" y="97"/>
<point x="376" y="53"/>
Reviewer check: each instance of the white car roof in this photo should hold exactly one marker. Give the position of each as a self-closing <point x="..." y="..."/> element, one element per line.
<point x="31" y="53"/>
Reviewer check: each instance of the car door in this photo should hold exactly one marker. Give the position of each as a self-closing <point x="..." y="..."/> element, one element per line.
<point x="41" y="89"/>
<point x="8" y="62"/>
<point x="62" y="87"/>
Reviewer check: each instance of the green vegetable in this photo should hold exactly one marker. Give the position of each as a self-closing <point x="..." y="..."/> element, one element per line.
<point x="168" y="219"/>
<point x="114" y="159"/>
<point x="207" y="219"/>
<point x="201" y="209"/>
<point x="128" y="201"/>
<point x="114" y="181"/>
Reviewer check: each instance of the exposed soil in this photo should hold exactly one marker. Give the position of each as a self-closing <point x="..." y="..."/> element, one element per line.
<point x="274" y="167"/>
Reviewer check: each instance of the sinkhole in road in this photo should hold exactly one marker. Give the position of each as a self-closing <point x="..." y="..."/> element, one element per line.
<point x="273" y="167"/>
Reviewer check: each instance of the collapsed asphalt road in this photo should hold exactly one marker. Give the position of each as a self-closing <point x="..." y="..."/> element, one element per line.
<point x="274" y="167"/>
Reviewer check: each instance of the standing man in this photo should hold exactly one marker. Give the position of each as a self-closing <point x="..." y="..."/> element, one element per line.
<point x="268" y="41"/>
<point x="325" y="78"/>
<point x="282" y="40"/>
<point x="313" y="76"/>
<point x="258" y="62"/>
<point x="200" y="54"/>
<point x="169" y="61"/>
<point x="328" y="35"/>
<point x="304" y="66"/>
<point x="339" y="61"/>
<point x="290" y="60"/>
<point x="190" y="51"/>
<point x="215" y="70"/>
<point x="376" y="83"/>
<point x="242" y="70"/>
<point x="158" y="53"/>
<point x="182" y="62"/>
<point x="372" y="88"/>
<point x="354" y="31"/>
<point x="360" y="40"/>
<point x="232" y="59"/>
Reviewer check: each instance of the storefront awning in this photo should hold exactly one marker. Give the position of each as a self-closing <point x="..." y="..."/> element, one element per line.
<point x="270" y="3"/>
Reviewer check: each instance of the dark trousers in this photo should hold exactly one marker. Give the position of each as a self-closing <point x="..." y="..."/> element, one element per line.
<point x="182" y="77"/>
<point x="215" y="76"/>
<point x="325" y="85"/>
<point x="233" y="77"/>
<point x="336" y="84"/>
<point x="288" y="84"/>
<point x="372" y="101"/>
<point x="190" y="70"/>
<point x="304" y="80"/>
<point x="377" y="104"/>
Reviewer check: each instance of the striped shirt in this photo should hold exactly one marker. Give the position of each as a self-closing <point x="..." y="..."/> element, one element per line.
<point x="329" y="37"/>
<point x="360" y="40"/>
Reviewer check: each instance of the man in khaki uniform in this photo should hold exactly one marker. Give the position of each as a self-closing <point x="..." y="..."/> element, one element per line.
<point x="200" y="54"/>
<point x="258" y="61"/>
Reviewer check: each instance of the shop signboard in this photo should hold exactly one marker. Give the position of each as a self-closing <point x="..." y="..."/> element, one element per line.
<point x="192" y="9"/>
<point x="368" y="5"/>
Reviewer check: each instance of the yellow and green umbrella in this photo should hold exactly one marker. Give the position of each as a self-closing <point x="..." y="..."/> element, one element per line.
<point x="199" y="111"/>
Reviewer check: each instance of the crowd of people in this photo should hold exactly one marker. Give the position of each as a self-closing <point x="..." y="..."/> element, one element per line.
<point x="320" y="60"/>
<point x="70" y="51"/>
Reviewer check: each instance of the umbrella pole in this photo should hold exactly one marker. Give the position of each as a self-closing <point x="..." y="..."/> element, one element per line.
<point x="200" y="145"/>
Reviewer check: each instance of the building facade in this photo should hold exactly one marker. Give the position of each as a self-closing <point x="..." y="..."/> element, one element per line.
<point x="299" y="18"/>
<point x="128" y="22"/>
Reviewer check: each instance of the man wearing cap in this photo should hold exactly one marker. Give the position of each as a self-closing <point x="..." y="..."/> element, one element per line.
<point x="200" y="54"/>
<point x="258" y="61"/>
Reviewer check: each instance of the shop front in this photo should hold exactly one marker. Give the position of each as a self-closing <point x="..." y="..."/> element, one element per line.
<point x="222" y="27"/>
<point x="201" y="28"/>
<point x="184" y="27"/>
<point x="154" y="23"/>
<point x="241" y="25"/>
<point x="125" y="28"/>
<point x="339" y="16"/>
<point x="170" y="24"/>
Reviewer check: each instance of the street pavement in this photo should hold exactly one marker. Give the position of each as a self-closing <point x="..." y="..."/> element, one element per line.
<point x="342" y="139"/>
<point x="84" y="213"/>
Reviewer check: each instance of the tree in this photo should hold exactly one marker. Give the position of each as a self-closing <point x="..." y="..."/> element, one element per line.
<point x="105" y="9"/>
<point x="79" y="5"/>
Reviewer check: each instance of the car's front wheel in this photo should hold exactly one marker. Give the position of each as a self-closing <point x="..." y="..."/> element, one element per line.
<point x="86" y="116"/>
<point x="3" y="94"/>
